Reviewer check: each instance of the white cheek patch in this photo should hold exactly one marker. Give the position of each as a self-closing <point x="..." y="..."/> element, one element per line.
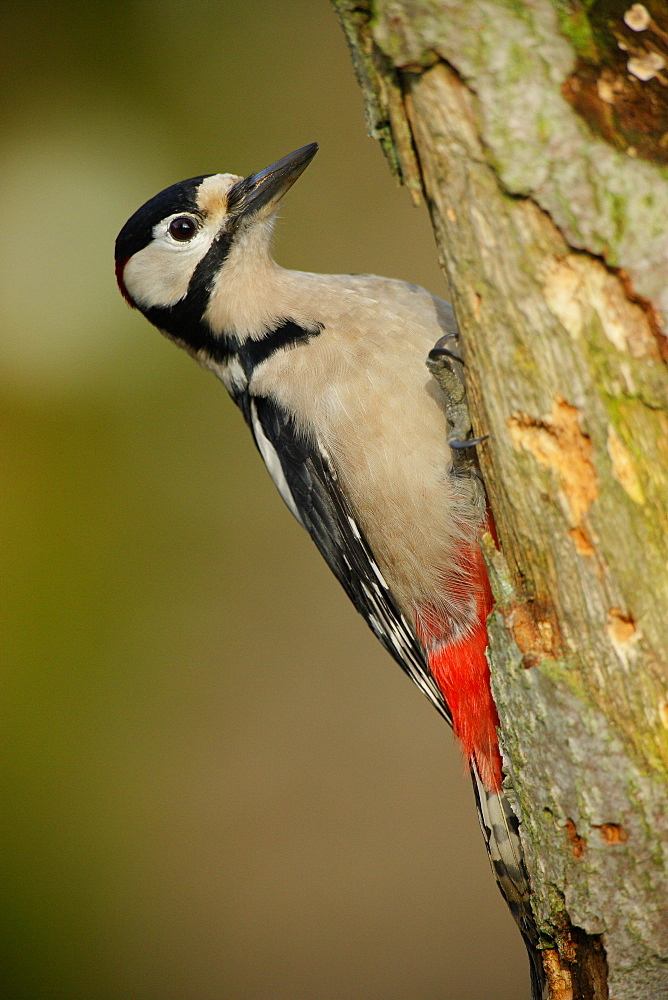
<point x="272" y="461"/>
<point x="159" y="274"/>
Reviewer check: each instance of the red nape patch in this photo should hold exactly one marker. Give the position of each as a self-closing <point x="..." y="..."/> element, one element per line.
<point x="462" y="674"/>
<point x="120" y="267"/>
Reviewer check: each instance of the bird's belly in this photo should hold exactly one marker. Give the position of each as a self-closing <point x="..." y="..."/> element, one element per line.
<point x="380" y="416"/>
<point x="393" y="460"/>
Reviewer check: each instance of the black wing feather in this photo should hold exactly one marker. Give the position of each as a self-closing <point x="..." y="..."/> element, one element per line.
<point x="328" y="517"/>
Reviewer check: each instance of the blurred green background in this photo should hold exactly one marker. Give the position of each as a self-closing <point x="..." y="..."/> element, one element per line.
<point x="216" y="783"/>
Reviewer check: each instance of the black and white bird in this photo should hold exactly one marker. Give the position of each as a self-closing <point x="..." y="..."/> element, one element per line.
<point x="329" y="373"/>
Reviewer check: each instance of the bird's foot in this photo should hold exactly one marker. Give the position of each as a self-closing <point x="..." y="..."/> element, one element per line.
<point x="447" y="366"/>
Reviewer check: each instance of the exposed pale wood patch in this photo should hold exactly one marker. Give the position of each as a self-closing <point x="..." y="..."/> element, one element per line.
<point x="580" y="291"/>
<point x="621" y="628"/>
<point x="577" y="843"/>
<point x="558" y="979"/>
<point x="557" y="443"/>
<point x="612" y="833"/>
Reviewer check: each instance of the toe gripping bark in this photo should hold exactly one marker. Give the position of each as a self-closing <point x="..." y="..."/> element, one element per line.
<point x="446" y="365"/>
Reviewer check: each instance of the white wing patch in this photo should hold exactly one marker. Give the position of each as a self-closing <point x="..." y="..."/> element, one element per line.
<point x="273" y="463"/>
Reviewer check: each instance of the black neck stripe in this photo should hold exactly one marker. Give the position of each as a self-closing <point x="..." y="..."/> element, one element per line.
<point x="185" y="323"/>
<point x="196" y="336"/>
<point x="289" y="334"/>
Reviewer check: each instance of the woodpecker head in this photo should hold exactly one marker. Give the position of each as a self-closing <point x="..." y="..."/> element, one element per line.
<point x="173" y="251"/>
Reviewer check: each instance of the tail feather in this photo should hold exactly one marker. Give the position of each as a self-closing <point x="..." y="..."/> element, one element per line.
<point x="500" y="828"/>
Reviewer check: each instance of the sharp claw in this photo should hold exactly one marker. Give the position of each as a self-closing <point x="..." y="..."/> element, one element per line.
<point x="445" y="338"/>
<point x="471" y="443"/>
<point x="450" y="378"/>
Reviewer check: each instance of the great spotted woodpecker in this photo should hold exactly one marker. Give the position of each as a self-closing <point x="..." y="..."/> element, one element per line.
<point x="329" y="373"/>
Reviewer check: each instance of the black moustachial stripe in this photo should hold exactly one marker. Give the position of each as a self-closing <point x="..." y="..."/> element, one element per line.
<point x="183" y="321"/>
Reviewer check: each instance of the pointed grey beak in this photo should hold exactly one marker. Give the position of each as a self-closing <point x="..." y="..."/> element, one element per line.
<point x="266" y="188"/>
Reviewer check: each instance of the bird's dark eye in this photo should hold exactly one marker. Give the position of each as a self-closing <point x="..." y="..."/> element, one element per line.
<point x="182" y="228"/>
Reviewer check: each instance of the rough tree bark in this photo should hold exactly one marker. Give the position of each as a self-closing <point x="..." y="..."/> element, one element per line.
<point x="538" y="134"/>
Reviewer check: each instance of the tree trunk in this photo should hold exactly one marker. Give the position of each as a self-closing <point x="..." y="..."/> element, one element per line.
<point x="538" y="134"/>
